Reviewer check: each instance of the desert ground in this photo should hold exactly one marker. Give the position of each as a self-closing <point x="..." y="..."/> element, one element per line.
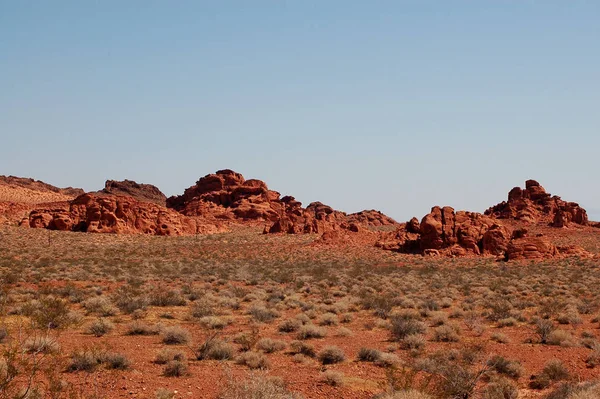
<point x="231" y="291"/>
<point x="120" y="316"/>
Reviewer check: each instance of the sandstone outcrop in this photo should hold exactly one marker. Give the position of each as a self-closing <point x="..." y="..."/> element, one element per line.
<point x="533" y="204"/>
<point x="95" y="213"/>
<point x="141" y="192"/>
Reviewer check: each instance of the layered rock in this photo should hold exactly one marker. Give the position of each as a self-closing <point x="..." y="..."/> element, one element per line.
<point x="533" y="204"/>
<point x="141" y="192"/>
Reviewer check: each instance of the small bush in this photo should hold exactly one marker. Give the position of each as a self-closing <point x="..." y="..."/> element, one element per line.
<point x="269" y="345"/>
<point x="166" y="355"/>
<point x="140" y="328"/>
<point x="166" y="297"/>
<point x="413" y="342"/>
<point x="368" y="355"/>
<point x="302" y="348"/>
<point x="311" y="331"/>
<point x="500" y="388"/>
<point x="214" y="349"/>
<point x="562" y="338"/>
<point x="500" y="338"/>
<point x="328" y="319"/>
<point x="333" y="378"/>
<point x="175" y="368"/>
<point x="44" y="345"/>
<point x="331" y="355"/>
<point x="401" y="327"/>
<point x="253" y="360"/>
<point x="289" y="325"/>
<point x="556" y="370"/>
<point x="510" y="368"/>
<point x="100" y="327"/>
<point x="175" y="335"/>
<point x="163" y="393"/>
<point x="84" y="360"/>
<point x="262" y="314"/>
<point x="213" y="322"/>
<point x="446" y="333"/>
<point x="116" y="361"/>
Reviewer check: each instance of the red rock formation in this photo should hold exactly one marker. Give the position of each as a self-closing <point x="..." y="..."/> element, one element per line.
<point x="141" y="192"/>
<point x="95" y="213"/>
<point x="443" y="228"/>
<point x="371" y="218"/>
<point x="530" y="248"/>
<point x="533" y="204"/>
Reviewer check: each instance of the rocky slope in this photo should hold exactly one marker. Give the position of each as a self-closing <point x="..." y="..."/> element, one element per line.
<point x="141" y="192"/>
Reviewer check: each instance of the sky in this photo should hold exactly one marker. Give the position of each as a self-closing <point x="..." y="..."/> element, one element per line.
<point x="389" y="105"/>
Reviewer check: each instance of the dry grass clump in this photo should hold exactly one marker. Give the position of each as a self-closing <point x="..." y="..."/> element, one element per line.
<point x="256" y="386"/>
<point x="289" y="325"/>
<point x="137" y="327"/>
<point x="100" y="327"/>
<point x="302" y="348"/>
<point x="310" y="331"/>
<point x="446" y="333"/>
<point x="262" y="314"/>
<point x="42" y="344"/>
<point x="90" y="359"/>
<point x="333" y="378"/>
<point x="176" y="368"/>
<point x="253" y="360"/>
<point x="404" y="394"/>
<point x="401" y="327"/>
<point x="269" y="345"/>
<point x="214" y="349"/>
<point x="331" y="355"/>
<point x="500" y="388"/>
<point x="175" y="335"/>
<point x="509" y="368"/>
<point x="554" y="370"/>
<point x="100" y="306"/>
<point x="166" y="355"/>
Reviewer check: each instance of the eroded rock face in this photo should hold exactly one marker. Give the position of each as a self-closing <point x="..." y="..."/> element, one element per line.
<point x="530" y="248"/>
<point x="533" y="204"/>
<point x="371" y="218"/>
<point x="95" y="213"/>
<point x="141" y="192"/>
<point x="228" y="196"/>
<point x="445" y="228"/>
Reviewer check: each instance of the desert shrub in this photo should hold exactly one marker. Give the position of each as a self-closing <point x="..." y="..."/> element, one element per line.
<point x="333" y="378"/>
<point x="129" y="298"/>
<point x="446" y="333"/>
<point x="562" y="338"/>
<point x="556" y="370"/>
<point x="84" y="360"/>
<point x="309" y="331"/>
<point x="205" y="306"/>
<point x="166" y="355"/>
<point x="328" y="319"/>
<point x="414" y="342"/>
<point x="213" y="322"/>
<point x="43" y="344"/>
<point x="388" y="360"/>
<point x="368" y="355"/>
<point x="344" y="332"/>
<point x="253" y="360"/>
<point x="401" y="327"/>
<point x="256" y="387"/>
<point x="500" y="338"/>
<point x="115" y="361"/>
<point x="289" y="325"/>
<point x="175" y="368"/>
<point x="161" y="296"/>
<point x="346" y="318"/>
<point x="592" y="391"/>
<point x="263" y="314"/>
<point x="100" y="306"/>
<point x="508" y="322"/>
<point x="593" y="359"/>
<point x="543" y="329"/>
<point x="175" y="335"/>
<point x="49" y="313"/>
<point x="3" y="334"/>
<point x="302" y="348"/>
<point x="247" y="339"/>
<point x="500" y="388"/>
<point x="214" y="349"/>
<point x="269" y="345"/>
<point x="100" y="327"/>
<point x="509" y="368"/>
<point x="140" y="328"/>
<point x="331" y="355"/>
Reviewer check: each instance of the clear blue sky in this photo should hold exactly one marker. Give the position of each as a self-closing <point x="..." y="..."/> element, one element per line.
<point x="393" y="105"/>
